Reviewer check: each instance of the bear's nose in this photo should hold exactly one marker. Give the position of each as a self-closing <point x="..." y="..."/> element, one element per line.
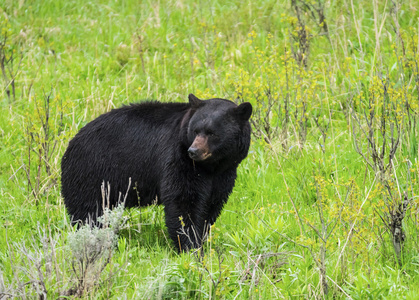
<point x="193" y="152"/>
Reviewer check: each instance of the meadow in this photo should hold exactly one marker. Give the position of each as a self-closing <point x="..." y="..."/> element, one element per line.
<point x="324" y="206"/>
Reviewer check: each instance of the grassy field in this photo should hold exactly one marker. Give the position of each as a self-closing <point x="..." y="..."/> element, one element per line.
<point x="324" y="207"/>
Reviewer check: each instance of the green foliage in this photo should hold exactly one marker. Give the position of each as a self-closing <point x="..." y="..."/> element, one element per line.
<point x="333" y="165"/>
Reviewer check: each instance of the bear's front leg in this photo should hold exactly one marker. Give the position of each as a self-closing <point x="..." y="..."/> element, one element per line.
<point x="185" y="229"/>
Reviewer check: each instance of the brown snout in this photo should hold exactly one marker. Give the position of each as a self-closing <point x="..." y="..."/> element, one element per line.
<point x="199" y="150"/>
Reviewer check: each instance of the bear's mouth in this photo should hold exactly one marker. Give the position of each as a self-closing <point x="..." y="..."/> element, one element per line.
<point x="199" y="156"/>
<point x="206" y="155"/>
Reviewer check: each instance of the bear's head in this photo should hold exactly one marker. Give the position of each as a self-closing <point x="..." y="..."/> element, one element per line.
<point x="218" y="130"/>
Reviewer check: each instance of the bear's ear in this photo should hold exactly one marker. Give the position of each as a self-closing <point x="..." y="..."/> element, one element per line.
<point x="194" y="101"/>
<point x="244" y="111"/>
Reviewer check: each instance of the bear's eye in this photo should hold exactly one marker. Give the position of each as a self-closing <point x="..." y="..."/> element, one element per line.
<point x="195" y="132"/>
<point x="210" y="133"/>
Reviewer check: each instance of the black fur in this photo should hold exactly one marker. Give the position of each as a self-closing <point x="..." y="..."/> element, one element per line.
<point x="149" y="143"/>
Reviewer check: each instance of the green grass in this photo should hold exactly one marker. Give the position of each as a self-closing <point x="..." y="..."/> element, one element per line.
<point x="87" y="57"/>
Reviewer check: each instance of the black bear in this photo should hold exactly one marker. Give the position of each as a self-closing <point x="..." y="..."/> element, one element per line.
<point x="182" y="155"/>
